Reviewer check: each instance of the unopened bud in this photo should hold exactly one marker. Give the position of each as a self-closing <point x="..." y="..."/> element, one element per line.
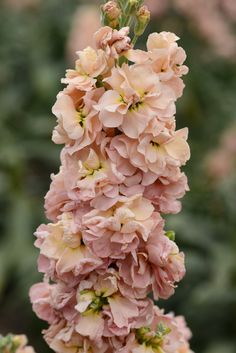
<point x="143" y="17"/>
<point x="170" y="234"/>
<point x="133" y="2"/>
<point x="111" y="13"/>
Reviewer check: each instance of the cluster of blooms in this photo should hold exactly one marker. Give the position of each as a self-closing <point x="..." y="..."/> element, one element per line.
<point x="106" y="249"/>
<point x="15" y="344"/>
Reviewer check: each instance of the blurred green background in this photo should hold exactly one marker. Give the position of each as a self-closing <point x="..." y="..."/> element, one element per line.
<point x="37" y="41"/>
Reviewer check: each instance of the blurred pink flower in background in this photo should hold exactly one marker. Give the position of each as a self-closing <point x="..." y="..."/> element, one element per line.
<point x="221" y="162"/>
<point x="86" y="21"/>
<point x="22" y="4"/>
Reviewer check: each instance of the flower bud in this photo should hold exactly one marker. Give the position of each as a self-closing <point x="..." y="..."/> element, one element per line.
<point x="170" y="234"/>
<point x="143" y="18"/>
<point x="111" y="13"/>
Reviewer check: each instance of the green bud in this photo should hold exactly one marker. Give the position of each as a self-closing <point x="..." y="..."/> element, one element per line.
<point x="143" y="17"/>
<point x="111" y="14"/>
<point x="170" y="234"/>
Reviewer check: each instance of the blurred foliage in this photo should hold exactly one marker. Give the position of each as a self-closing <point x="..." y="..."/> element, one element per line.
<point x="32" y="60"/>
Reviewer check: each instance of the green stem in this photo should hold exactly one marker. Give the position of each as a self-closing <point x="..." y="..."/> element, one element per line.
<point x="134" y="40"/>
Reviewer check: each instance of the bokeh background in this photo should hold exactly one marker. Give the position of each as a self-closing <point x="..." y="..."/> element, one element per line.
<point x="38" y="39"/>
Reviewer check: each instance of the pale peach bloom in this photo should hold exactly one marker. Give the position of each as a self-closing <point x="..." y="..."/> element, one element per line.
<point x="78" y="122"/>
<point x="40" y="296"/>
<point x="50" y="302"/>
<point x="113" y="42"/>
<point x="63" y="338"/>
<point x="85" y="22"/>
<point x="136" y="96"/>
<point x="161" y="150"/>
<point x="166" y="59"/>
<point x="166" y="334"/>
<point x="154" y="153"/>
<point x="119" y="230"/>
<point x="61" y="244"/>
<point x="167" y="56"/>
<point x="88" y="174"/>
<point x="57" y="199"/>
<point x="104" y="311"/>
<point x="136" y="274"/>
<point x="90" y="65"/>
<point x="167" y="264"/>
<point x="164" y="193"/>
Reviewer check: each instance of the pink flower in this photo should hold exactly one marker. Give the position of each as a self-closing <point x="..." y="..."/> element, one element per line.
<point x="166" y="334"/>
<point x="40" y="296"/>
<point x="135" y="99"/>
<point x="89" y="66"/>
<point x="167" y="265"/>
<point x="60" y="243"/>
<point x="164" y="193"/>
<point x="167" y="56"/>
<point x="113" y="42"/>
<point x="105" y="312"/>
<point x="89" y="175"/>
<point x="154" y="153"/>
<point x="119" y="230"/>
<point x="78" y="122"/>
<point x="166" y="59"/>
<point x="64" y="339"/>
<point x="57" y="200"/>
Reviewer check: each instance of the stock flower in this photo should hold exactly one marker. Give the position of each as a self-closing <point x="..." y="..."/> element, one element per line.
<point x="164" y="193"/>
<point x="167" y="264"/>
<point x="135" y="97"/>
<point x="166" y="334"/>
<point x="167" y="56"/>
<point x="63" y="338"/>
<point x="89" y="66"/>
<point x="106" y="249"/>
<point x="78" y="122"/>
<point x="119" y="230"/>
<point x="60" y="244"/>
<point x="112" y="41"/>
<point x="89" y="175"/>
<point x="105" y="312"/>
<point x="166" y="59"/>
<point x="154" y="153"/>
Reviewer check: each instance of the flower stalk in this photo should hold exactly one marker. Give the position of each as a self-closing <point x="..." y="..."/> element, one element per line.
<point x="105" y="248"/>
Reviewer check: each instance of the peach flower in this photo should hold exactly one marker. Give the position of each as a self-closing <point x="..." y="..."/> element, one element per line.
<point x="135" y="98"/>
<point x="166" y="334"/>
<point x="167" y="265"/>
<point x="78" y="122"/>
<point x="154" y="153"/>
<point x="105" y="312"/>
<point x="112" y="41"/>
<point x="164" y="193"/>
<point x="88" y="175"/>
<point x="61" y="244"/>
<point x="119" y="230"/>
<point x="63" y="338"/>
<point x="90" y="65"/>
<point x="166" y="59"/>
